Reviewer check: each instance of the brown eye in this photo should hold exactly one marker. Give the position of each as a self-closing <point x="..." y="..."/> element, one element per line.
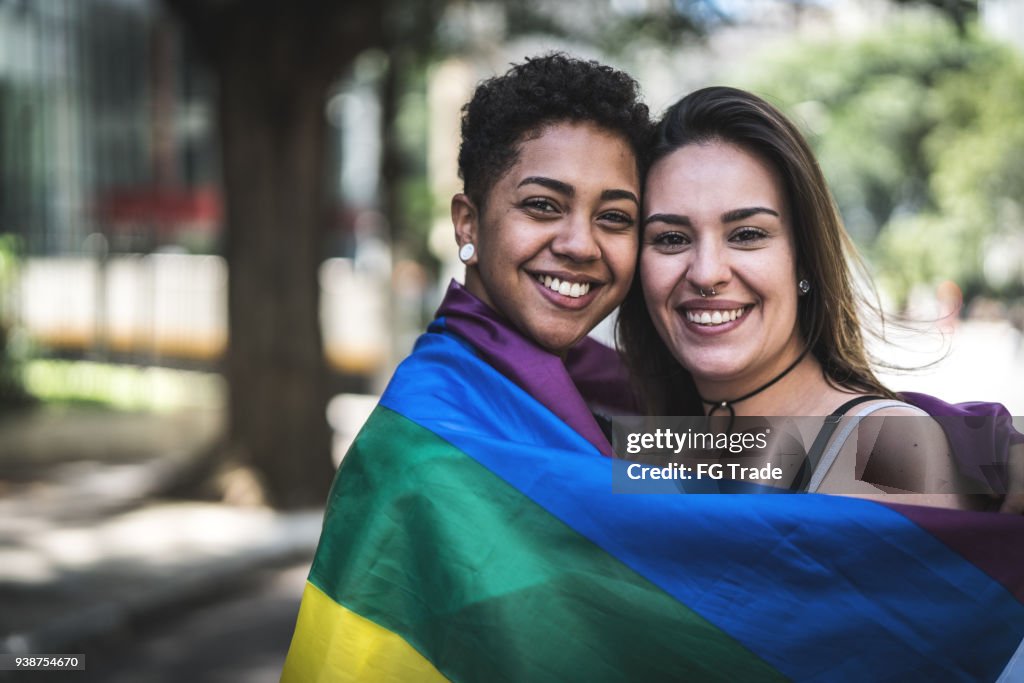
<point x="748" y="235"/>
<point x="670" y="241"/>
<point x="618" y="218"/>
<point x="540" y="205"/>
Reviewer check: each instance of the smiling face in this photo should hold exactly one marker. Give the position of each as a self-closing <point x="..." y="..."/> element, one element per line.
<point x="716" y="219"/>
<point x="556" y="242"/>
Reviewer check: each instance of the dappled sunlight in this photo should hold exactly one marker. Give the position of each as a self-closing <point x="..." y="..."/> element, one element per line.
<point x="25" y="566"/>
<point x="140" y="560"/>
<point x="164" y="538"/>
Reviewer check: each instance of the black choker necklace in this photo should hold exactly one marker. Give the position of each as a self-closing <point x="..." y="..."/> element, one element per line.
<point x="728" y="405"/>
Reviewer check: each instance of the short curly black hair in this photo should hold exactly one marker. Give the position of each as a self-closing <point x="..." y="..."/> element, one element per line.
<point x="507" y="109"/>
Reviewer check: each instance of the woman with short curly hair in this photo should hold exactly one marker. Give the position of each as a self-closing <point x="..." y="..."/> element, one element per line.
<point x="433" y="564"/>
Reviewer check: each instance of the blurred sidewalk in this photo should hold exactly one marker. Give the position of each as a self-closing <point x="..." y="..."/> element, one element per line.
<point x="86" y="552"/>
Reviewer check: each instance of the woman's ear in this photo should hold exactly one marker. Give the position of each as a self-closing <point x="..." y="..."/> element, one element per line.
<point x="466" y="220"/>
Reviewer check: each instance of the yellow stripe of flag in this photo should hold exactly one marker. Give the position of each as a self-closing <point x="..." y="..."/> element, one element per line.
<point x="332" y="643"/>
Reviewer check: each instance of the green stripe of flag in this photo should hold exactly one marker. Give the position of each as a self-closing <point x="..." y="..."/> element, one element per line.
<point x="426" y="542"/>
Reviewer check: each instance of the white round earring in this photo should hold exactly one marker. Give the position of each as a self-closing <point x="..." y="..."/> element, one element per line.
<point x="803" y="287"/>
<point x="467" y="252"/>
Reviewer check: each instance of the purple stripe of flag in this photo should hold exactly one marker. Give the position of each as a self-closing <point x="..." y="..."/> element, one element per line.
<point x="541" y="374"/>
<point x="999" y="553"/>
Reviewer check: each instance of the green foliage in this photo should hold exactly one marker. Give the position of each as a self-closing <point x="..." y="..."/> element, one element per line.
<point x="959" y="12"/>
<point x="920" y="131"/>
<point x="122" y="387"/>
<point x="12" y="353"/>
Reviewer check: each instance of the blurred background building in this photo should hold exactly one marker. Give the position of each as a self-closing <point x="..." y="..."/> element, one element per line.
<point x="110" y="195"/>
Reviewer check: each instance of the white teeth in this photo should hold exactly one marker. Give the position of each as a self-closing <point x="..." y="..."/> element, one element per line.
<point x="570" y="289"/>
<point x="714" y="317"/>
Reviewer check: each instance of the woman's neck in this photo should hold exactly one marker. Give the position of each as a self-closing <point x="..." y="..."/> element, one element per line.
<point x="802" y="391"/>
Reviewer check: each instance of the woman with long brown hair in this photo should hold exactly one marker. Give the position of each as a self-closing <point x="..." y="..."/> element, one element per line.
<point x="745" y="301"/>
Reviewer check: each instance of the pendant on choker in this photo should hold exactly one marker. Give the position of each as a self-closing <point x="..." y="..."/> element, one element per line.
<point x="728" y="404"/>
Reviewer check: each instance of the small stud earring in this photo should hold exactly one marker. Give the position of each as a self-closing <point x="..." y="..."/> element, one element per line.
<point x="467" y="252"/>
<point x="804" y="286"/>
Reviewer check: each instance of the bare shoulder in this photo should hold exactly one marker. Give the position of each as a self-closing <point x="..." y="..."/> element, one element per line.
<point x="886" y="429"/>
<point x="903" y="452"/>
<point x="895" y="409"/>
<point x="909" y="432"/>
<point x="904" y="449"/>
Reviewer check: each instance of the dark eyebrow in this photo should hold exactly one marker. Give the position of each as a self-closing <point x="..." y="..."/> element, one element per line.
<point x="569" y="191"/>
<point x="550" y="183"/>
<point x="740" y="214"/>
<point x="670" y="218"/>
<point x="620" y="194"/>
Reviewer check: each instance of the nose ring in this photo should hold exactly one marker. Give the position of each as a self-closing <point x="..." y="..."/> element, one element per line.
<point x="704" y="294"/>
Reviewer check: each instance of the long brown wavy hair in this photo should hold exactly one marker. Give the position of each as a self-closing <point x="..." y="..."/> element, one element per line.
<point x="828" y="316"/>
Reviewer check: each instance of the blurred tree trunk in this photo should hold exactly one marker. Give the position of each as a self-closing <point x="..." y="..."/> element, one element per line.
<point x="274" y="62"/>
<point x="391" y="167"/>
<point x="273" y="162"/>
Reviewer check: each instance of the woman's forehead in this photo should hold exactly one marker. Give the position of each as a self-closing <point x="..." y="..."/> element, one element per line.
<point x="581" y="153"/>
<point x="718" y="173"/>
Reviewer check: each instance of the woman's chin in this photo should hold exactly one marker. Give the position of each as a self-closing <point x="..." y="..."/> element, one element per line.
<point x="720" y="383"/>
<point x="556" y="341"/>
<point x="714" y="368"/>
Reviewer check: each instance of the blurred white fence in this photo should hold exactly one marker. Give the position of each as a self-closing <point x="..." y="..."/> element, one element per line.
<point x="163" y="307"/>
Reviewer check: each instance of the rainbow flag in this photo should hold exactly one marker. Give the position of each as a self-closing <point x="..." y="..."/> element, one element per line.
<point x="471" y="535"/>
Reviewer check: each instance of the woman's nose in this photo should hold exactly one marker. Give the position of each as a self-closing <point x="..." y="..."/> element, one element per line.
<point x="709" y="268"/>
<point x="576" y="240"/>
